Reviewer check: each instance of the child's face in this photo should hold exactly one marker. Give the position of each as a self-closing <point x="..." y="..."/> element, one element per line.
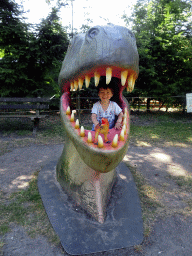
<point x="105" y="94"/>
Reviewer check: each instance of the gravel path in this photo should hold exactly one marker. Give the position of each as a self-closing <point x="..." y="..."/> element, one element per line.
<point x="171" y="235"/>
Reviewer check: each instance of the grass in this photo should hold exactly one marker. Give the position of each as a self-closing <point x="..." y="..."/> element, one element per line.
<point x="164" y="132"/>
<point x="25" y="208"/>
<point x="163" y="129"/>
<point x="184" y="182"/>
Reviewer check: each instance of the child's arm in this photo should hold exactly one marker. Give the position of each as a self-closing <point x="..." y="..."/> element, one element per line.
<point x="119" y="121"/>
<point x="94" y="119"/>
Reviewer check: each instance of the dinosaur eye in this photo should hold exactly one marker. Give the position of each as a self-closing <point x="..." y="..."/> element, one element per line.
<point x="93" y="32"/>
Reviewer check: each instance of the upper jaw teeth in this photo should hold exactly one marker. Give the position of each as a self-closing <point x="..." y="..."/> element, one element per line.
<point x="76" y="85"/>
<point x="131" y="83"/>
<point x="97" y="78"/>
<point x="125" y="76"/>
<point x="87" y="81"/>
<point x="108" y="75"/>
<point x="80" y="83"/>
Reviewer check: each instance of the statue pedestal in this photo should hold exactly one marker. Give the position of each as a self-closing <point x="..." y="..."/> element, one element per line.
<point x="78" y="232"/>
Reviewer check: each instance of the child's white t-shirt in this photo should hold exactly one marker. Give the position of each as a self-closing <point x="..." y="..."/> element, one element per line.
<point x="112" y="111"/>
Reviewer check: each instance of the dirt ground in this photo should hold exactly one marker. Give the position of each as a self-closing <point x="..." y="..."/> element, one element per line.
<point x="171" y="233"/>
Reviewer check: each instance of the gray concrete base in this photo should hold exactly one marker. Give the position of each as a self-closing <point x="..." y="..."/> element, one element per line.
<point x="78" y="232"/>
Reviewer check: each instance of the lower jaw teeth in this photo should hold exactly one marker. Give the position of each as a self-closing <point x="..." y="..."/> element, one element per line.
<point x="99" y="142"/>
<point x="115" y="141"/>
<point x="89" y="139"/>
<point x="77" y="124"/>
<point x="120" y="137"/>
<point x="68" y="111"/>
<point x="72" y="117"/>
<point x="82" y="132"/>
<point x="124" y="129"/>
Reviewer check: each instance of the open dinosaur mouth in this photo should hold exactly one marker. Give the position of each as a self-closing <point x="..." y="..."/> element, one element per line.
<point x="116" y="137"/>
<point x="109" y="52"/>
<point x="84" y="140"/>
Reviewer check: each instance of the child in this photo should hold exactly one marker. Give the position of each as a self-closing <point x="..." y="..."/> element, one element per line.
<point x="106" y="108"/>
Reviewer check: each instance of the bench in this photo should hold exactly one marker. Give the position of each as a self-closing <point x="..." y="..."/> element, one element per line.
<point x="32" y="107"/>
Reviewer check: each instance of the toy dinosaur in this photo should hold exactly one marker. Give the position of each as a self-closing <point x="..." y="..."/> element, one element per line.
<point x="103" y="128"/>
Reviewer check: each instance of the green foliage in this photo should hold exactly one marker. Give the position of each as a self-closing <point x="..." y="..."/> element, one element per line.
<point x="85" y="27"/>
<point x="52" y="41"/>
<point x="164" y="41"/>
<point x="13" y="45"/>
<point x="30" y="61"/>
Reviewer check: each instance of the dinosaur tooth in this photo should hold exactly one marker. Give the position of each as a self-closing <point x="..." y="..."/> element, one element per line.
<point x="131" y="83"/>
<point x="97" y="78"/>
<point x="87" y="81"/>
<point x="77" y="124"/>
<point x="72" y="117"/>
<point x="108" y="75"/>
<point x="80" y="82"/>
<point x="82" y="132"/>
<point x="68" y="111"/>
<point x="89" y="139"/>
<point x="100" y="141"/>
<point x="125" y="121"/>
<point x="122" y="135"/>
<point x="72" y="86"/>
<point x="124" y="128"/>
<point x="75" y="85"/>
<point x="124" y="77"/>
<point x="115" y="141"/>
<point x="125" y="113"/>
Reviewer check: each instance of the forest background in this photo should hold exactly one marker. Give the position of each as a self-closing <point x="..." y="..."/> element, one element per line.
<point x="31" y="55"/>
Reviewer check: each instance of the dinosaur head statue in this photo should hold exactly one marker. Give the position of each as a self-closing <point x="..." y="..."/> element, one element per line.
<point x="109" y="51"/>
<point x="86" y="170"/>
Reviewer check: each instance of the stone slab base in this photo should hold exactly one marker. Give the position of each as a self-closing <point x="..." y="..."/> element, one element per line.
<point x="78" y="232"/>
